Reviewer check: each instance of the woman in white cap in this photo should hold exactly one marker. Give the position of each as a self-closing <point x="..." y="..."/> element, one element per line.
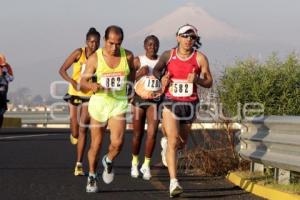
<point x="187" y="68"/>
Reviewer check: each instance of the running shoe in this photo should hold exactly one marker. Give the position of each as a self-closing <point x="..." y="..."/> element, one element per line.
<point x="78" y="170"/>
<point x="175" y="189"/>
<point x="108" y="172"/>
<point x="73" y="140"/>
<point x="134" y="171"/>
<point x="164" y="143"/>
<point x="145" y="170"/>
<point x="92" y="186"/>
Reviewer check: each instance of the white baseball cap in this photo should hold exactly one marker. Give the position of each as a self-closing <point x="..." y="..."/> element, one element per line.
<point x="185" y="28"/>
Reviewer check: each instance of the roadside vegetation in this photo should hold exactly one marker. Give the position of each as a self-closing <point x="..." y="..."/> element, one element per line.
<point x="266" y="179"/>
<point x="275" y="84"/>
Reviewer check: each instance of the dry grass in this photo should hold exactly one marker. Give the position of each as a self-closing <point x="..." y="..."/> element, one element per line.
<point x="213" y="154"/>
<point x="267" y="180"/>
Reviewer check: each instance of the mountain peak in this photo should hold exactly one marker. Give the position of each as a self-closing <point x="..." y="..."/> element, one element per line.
<point x="208" y="26"/>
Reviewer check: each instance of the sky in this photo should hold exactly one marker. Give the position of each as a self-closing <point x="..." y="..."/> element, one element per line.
<point x="37" y="36"/>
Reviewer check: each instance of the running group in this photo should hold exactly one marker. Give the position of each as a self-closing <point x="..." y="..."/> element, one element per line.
<point x="161" y="88"/>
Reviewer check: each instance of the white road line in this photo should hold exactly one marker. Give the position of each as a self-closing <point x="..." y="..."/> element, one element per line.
<point x="26" y="136"/>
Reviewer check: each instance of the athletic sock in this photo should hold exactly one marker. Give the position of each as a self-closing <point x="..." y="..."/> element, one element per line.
<point x="147" y="162"/>
<point x="107" y="160"/>
<point x="92" y="174"/>
<point x="172" y="180"/>
<point x="135" y="159"/>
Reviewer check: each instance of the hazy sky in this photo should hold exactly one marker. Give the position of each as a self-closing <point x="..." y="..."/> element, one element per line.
<point x="36" y="36"/>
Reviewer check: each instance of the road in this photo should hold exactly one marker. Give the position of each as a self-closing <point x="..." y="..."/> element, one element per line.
<point x="39" y="165"/>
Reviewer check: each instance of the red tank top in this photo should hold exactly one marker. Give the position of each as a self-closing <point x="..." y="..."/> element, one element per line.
<point x="179" y="69"/>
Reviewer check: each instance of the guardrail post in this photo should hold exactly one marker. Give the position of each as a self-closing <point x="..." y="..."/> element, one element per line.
<point x="282" y="176"/>
<point x="46" y="118"/>
<point x="256" y="167"/>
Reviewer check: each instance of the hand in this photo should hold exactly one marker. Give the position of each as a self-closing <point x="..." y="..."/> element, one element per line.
<point x="157" y="94"/>
<point x="192" y="77"/>
<point x="143" y="71"/>
<point x="165" y="80"/>
<point x="75" y="84"/>
<point x="95" y="87"/>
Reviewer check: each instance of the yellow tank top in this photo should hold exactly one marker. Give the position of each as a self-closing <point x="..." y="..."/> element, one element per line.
<point x="113" y="78"/>
<point x="78" y="69"/>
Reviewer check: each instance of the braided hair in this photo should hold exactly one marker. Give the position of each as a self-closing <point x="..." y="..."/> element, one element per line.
<point x="197" y="43"/>
<point x="93" y="32"/>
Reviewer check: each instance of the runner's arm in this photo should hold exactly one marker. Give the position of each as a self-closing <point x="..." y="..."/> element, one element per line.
<point x="130" y="61"/>
<point x="140" y="70"/>
<point x="205" y="79"/>
<point x="160" y="67"/>
<point x="131" y="76"/>
<point x="73" y="57"/>
<point x="90" y="69"/>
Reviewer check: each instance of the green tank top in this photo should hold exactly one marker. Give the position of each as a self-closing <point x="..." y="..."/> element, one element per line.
<point x="112" y="78"/>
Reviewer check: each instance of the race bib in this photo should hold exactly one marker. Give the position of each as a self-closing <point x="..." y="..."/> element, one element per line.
<point x="181" y="88"/>
<point x="152" y="84"/>
<point x="113" y="81"/>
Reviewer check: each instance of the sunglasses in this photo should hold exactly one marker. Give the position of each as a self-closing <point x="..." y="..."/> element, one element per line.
<point x="191" y="36"/>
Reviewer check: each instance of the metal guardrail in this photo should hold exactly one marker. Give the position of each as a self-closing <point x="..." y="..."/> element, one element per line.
<point x="273" y="141"/>
<point x="44" y="118"/>
<point x="35" y="118"/>
<point x="40" y="117"/>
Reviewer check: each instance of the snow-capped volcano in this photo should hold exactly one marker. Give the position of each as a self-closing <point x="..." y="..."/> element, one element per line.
<point x="208" y="26"/>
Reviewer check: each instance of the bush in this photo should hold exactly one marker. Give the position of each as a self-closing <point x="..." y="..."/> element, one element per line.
<point x="274" y="84"/>
<point x="213" y="154"/>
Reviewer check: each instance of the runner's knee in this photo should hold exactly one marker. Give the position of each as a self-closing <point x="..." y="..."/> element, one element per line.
<point x="117" y="144"/>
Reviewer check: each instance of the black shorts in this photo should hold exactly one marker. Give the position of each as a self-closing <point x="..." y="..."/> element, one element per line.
<point x="3" y="106"/>
<point x="2" y="111"/>
<point x="185" y="112"/>
<point x="75" y="100"/>
<point x="145" y="103"/>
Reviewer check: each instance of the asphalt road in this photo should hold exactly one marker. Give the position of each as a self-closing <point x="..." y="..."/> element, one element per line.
<point x="39" y="165"/>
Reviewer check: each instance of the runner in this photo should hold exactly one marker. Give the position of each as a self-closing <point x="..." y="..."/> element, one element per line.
<point x="79" y="117"/>
<point x="6" y="76"/>
<point x="113" y="67"/>
<point x="145" y="109"/>
<point x="187" y="68"/>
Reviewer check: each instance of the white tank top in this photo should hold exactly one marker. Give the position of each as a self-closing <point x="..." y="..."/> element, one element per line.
<point x="145" y="61"/>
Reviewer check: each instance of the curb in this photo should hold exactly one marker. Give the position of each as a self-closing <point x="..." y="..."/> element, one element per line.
<point x="260" y="190"/>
